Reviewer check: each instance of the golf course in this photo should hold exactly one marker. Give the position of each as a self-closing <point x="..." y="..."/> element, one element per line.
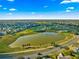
<point x="23" y="38"/>
<point x="26" y="40"/>
<point x="44" y="39"/>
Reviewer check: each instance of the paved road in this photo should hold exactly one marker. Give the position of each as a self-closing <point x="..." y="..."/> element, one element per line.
<point x="48" y="51"/>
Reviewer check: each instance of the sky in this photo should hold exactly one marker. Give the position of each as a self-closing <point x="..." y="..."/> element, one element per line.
<point x="39" y="9"/>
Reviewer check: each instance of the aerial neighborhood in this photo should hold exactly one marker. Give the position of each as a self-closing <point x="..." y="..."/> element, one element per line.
<point x="40" y="39"/>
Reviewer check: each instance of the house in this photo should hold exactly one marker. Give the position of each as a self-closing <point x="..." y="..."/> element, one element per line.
<point x="2" y="33"/>
<point x="46" y="57"/>
<point x="61" y="56"/>
<point x="76" y="50"/>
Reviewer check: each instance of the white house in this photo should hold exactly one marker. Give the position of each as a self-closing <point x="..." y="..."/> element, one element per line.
<point x="61" y="56"/>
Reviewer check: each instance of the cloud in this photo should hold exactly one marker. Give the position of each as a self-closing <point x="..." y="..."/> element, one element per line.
<point x="9" y="13"/>
<point x="69" y="1"/>
<point x="5" y="8"/>
<point x="69" y="9"/>
<point x="12" y="9"/>
<point x="11" y="0"/>
<point x="0" y="5"/>
<point x="45" y="6"/>
<point x="33" y="12"/>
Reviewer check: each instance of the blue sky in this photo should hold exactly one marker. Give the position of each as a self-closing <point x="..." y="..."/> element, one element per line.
<point x="39" y="9"/>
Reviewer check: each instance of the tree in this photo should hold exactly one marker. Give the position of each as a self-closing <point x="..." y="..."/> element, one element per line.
<point x="39" y="54"/>
<point x="39" y="57"/>
<point x="21" y="58"/>
<point x="54" y="44"/>
<point x="23" y="45"/>
<point x="28" y="58"/>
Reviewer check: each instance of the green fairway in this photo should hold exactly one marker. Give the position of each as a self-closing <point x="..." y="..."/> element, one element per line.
<point x="39" y="39"/>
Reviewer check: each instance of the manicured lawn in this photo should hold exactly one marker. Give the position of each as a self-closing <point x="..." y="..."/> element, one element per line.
<point x="29" y="37"/>
<point x="40" y="39"/>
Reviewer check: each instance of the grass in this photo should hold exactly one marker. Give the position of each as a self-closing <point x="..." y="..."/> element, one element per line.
<point x="6" y="40"/>
<point x="39" y="39"/>
<point x="36" y="40"/>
